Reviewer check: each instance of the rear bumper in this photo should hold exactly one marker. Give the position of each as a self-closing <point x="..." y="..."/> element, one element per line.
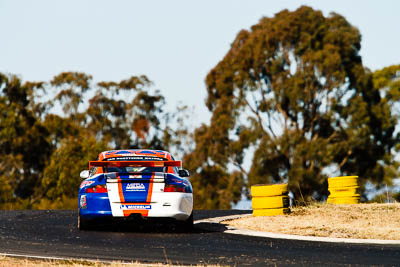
<point x="178" y="206"/>
<point x="171" y="205"/>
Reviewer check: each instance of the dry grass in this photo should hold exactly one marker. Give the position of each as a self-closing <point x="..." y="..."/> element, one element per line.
<point x="365" y="221"/>
<point x="12" y="262"/>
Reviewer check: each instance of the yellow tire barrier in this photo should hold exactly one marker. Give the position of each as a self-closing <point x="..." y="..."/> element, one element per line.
<point x="344" y="200"/>
<point x="343" y="190"/>
<point x="270" y="200"/>
<point x="269" y="190"/>
<point x="271" y="212"/>
<point x="343" y="181"/>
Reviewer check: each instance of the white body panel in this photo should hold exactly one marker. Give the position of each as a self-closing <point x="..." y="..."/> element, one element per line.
<point x="175" y="205"/>
<point x="171" y="205"/>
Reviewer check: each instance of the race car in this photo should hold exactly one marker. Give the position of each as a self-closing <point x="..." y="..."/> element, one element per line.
<point x="135" y="182"/>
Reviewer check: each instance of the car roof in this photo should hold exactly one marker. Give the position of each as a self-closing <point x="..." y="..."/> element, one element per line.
<point x="134" y="152"/>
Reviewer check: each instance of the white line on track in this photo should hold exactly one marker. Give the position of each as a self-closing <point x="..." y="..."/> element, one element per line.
<point x="236" y="231"/>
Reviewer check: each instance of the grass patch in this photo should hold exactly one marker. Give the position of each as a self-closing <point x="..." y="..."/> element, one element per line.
<point x="25" y="262"/>
<point x="29" y="262"/>
<point x="364" y="221"/>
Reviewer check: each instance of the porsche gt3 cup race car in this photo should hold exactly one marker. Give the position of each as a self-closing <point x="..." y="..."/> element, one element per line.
<point x="144" y="183"/>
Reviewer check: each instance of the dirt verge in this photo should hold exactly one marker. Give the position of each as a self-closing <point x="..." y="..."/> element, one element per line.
<point x="365" y="221"/>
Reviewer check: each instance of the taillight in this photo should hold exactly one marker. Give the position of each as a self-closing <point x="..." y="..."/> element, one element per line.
<point x="97" y="189"/>
<point x="177" y="188"/>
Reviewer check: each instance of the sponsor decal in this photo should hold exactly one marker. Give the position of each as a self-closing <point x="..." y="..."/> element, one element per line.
<point x="136" y="176"/>
<point x="135" y="187"/>
<point x="135" y="207"/>
<point x="82" y="202"/>
<point x="154" y="158"/>
<point x="86" y="183"/>
<point x="137" y="158"/>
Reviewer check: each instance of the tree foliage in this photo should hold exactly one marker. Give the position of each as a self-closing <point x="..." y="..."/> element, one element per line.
<point x="23" y="144"/>
<point x="61" y="175"/>
<point x="46" y="141"/>
<point x="293" y="96"/>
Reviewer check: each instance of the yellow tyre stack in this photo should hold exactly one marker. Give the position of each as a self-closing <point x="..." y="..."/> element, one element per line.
<point x="343" y="190"/>
<point x="270" y="200"/>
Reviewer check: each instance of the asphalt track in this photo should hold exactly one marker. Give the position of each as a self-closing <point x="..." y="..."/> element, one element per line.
<point x="54" y="234"/>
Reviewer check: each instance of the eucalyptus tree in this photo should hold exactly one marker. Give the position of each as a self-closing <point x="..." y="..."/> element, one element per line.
<point x="293" y="97"/>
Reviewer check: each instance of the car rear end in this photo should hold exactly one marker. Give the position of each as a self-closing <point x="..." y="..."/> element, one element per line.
<point x="142" y="193"/>
<point x="149" y="194"/>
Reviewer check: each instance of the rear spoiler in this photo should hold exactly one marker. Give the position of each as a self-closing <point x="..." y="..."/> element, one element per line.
<point x="167" y="163"/>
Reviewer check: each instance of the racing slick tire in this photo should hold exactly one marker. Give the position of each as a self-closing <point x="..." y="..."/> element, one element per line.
<point x="83" y="224"/>
<point x="187" y="225"/>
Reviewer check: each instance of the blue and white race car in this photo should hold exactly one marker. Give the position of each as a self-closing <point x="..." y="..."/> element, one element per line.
<point x="146" y="183"/>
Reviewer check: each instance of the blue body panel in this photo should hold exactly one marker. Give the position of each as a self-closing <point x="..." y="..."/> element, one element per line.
<point x="135" y="190"/>
<point x="176" y="180"/>
<point x="92" y="205"/>
<point x="98" y="205"/>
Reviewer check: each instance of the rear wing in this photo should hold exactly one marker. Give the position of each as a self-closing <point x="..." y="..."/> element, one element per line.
<point x="167" y="163"/>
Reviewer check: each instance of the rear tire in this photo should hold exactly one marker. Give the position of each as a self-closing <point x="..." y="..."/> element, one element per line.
<point x="188" y="224"/>
<point x="83" y="224"/>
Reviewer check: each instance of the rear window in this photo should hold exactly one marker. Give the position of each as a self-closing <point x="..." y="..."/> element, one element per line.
<point x="135" y="169"/>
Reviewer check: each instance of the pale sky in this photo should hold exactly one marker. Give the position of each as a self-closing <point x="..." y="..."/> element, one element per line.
<point x="174" y="43"/>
